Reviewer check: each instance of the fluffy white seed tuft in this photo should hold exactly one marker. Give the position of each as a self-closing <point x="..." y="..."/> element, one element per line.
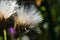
<point x="28" y="16"/>
<point x="7" y="8"/>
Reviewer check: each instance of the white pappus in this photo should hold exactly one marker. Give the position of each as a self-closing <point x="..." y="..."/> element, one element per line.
<point x="28" y="16"/>
<point x="7" y="8"/>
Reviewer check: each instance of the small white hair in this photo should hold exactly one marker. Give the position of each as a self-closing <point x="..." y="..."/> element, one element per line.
<point x="28" y="16"/>
<point x="7" y="8"/>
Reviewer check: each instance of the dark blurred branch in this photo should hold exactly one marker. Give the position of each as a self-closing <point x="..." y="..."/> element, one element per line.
<point x="51" y="33"/>
<point x="51" y="23"/>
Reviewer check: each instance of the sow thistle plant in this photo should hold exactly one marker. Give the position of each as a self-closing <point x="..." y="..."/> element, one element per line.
<point x="25" y="17"/>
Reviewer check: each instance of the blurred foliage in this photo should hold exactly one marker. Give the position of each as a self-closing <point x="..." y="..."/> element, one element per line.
<point x="54" y="10"/>
<point x="1" y="38"/>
